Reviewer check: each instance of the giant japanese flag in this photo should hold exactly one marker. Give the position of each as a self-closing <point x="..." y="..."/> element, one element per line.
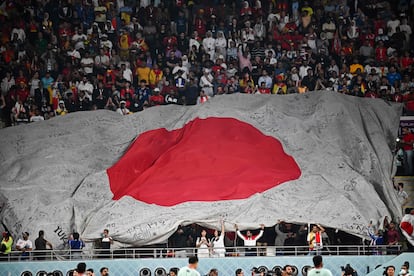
<point x="320" y="157"/>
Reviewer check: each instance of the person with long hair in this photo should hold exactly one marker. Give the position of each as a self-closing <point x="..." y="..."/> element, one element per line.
<point x="203" y="245"/>
<point x="217" y="242"/>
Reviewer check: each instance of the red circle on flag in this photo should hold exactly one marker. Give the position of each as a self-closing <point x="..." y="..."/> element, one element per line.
<point x="206" y="160"/>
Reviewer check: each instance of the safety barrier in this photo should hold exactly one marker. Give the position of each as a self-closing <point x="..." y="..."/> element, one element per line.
<point x="159" y="252"/>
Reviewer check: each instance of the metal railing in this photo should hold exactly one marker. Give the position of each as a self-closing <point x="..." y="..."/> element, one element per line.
<point x="160" y="252"/>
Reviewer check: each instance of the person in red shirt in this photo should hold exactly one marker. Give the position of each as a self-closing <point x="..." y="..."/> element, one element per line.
<point x="406" y="60"/>
<point x="263" y="89"/>
<point x="21" y="78"/>
<point x="109" y="78"/>
<point x="127" y="89"/>
<point x="200" y="24"/>
<point x="156" y="99"/>
<point x="381" y="52"/>
<point x="22" y="91"/>
<point x="169" y="42"/>
<point x="407" y="141"/>
<point x="393" y="238"/>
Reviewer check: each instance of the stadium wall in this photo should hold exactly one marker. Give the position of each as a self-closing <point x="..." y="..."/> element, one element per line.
<point x="225" y="266"/>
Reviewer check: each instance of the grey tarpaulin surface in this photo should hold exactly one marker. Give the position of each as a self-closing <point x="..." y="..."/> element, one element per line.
<point x="53" y="173"/>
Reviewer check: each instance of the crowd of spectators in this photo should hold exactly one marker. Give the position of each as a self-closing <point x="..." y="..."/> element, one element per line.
<point x="74" y="55"/>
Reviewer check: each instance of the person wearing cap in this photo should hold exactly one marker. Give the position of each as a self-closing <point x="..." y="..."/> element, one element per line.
<point x="239" y="272"/>
<point x="156" y="98"/>
<point x="6" y="245"/>
<point x="24" y="245"/>
<point x="218" y="64"/>
<point x="105" y="42"/>
<point x="122" y="108"/>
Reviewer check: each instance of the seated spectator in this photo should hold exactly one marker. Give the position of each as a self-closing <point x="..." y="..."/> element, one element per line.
<point x="203" y="97"/>
<point x="156" y="98"/>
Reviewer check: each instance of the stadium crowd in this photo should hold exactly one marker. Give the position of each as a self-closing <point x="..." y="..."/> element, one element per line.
<point x="74" y="55"/>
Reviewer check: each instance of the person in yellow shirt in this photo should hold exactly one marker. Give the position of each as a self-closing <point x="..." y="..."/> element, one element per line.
<point x="143" y="72"/>
<point x="353" y="68"/>
<point x="124" y="42"/>
<point x="155" y="76"/>
<point x="6" y="245"/>
<point x="280" y="86"/>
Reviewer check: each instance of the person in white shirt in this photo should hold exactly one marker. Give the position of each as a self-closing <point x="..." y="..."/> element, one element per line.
<point x="182" y="68"/>
<point x="217" y="242"/>
<point x="191" y="268"/>
<point x="303" y="69"/>
<point x="79" y="38"/>
<point x="105" y="42"/>
<point x="6" y="83"/>
<point x="122" y="109"/>
<point x="266" y="79"/>
<point x="401" y="194"/>
<point x="329" y="28"/>
<point x="203" y="97"/>
<point x="250" y="240"/>
<point x="194" y="41"/>
<point x="209" y="45"/>
<point x="102" y="60"/>
<point x="21" y="35"/>
<point x="87" y="87"/>
<point x="221" y="45"/>
<point x="37" y="117"/>
<point x="392" y="25"/>
<point x="318" y="270"/>
<point x="24" y="245"/>
<point x="206" y="82"/>
<point x="127" y="73"/>
<point x="86" y="63"/>
<point x="203" y="245"/>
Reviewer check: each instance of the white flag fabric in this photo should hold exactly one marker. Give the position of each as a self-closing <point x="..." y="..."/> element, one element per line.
<point x="54" y="177"/>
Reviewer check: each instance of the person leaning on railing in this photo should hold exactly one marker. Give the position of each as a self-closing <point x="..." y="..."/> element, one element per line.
<point x="6" y="245"/>
<point x="41" y="244"/>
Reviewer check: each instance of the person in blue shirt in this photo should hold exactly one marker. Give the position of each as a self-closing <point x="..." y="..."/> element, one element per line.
<point x="142" y="94"/>
<point x="393" y="75"/>
<point x="76" y="245"/>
